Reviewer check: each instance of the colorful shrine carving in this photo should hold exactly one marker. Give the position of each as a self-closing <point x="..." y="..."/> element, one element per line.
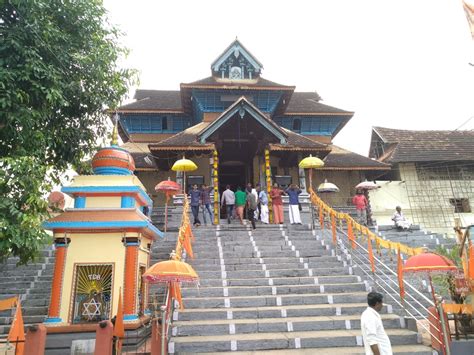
<point x="102" y="245"/>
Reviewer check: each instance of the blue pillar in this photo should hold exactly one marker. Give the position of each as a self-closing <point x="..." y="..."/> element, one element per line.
<point x="79" y="202"/>
<point x="127" y="202"/>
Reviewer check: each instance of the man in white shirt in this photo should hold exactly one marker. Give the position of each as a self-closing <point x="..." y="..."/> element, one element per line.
<point x="376" y="341"/>
<point x="228" y="198"/>
<point x="400" y="220"/>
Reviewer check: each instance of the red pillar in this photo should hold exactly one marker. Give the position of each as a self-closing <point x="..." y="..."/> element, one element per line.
<point x="130" y="279"/>
<point x="58" y="274"/>
<point x="103" y="338"/>
<point x="35" y="340"/>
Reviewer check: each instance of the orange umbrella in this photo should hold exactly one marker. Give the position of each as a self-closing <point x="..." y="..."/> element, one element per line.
<point x="171" y="271"/>
<point x="170" y="188"/>
<point x="429" y="263"/>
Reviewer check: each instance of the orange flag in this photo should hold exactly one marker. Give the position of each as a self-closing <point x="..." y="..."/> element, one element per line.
<point x="176" y="294"/>
<point x="400" y="275"/>
<point x="333" y="229"/>
<point x="187" y="245"/>
<point x="119" y="328"/>
<point x="371" y="254"/>
<point x="471" y="261"/>
<point x="17" y="331"/>
<point x="350" y="234"/>
<point x="321" y="217"/>
<point x="189" y="233"/>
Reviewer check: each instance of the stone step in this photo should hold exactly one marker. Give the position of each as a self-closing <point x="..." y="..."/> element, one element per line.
<point x="274" y="300"/>
<point x="265" y="325"/>
<point x="397" y="350"/>
<point x="282" y="281"/>
<point x="281" y="340"/>
<point x="259" y="273"/>
<point x="266" y="266"/>
<point x="26" y="319"/>
<point x="311" y="310"/>
<point x="230" y="261"/>
<point x="234" y="291"/>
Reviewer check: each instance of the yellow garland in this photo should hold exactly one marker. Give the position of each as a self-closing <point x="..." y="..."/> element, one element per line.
<point x="380" y="243"/>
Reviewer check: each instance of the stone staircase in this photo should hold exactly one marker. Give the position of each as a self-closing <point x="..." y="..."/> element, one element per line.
<point x="32" y="283"/>
<point x="279" y="289"/>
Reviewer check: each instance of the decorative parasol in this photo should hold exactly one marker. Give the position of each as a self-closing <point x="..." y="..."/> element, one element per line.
<point x="367" y="185"/>
<point x="171" y="271"/>
<point x="184" y="165"/>
<point x="311" y="163"/>
<point x="327" y="187"/>
<point x="170" y="188"/>
<point x="429" y="263"/>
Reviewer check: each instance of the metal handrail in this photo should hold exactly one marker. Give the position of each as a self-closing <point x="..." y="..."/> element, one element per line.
<point x="364" y="262"/>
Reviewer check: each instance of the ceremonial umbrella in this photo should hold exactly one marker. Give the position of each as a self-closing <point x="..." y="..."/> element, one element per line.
<point x="184" y="165"/>
<point x="171" y="271"/>
<point x="429" y="263"/>
<point x="170" y="188"/>
<point x="327" y="187"/>
<point x="311" y="163"/>
<point x="367" y="185"/>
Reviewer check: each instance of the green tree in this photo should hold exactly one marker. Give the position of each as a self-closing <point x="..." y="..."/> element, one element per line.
<point x="58" y="73"/>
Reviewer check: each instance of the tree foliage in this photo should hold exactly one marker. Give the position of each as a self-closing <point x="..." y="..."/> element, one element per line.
<point x="58" y="74"/>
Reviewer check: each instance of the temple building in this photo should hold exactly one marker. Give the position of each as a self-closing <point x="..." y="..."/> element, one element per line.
<point x="432" y="177"/>
<point x="227" y="122"/>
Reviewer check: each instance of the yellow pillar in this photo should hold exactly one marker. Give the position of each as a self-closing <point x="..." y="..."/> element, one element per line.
<point x="268" y="174"/>
<point x="216" y="186"/>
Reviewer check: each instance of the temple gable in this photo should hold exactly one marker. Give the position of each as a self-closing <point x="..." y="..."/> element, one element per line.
<point x="236" y="63"/>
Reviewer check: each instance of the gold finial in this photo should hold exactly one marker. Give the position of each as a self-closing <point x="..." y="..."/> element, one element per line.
<point x="115" y="131"/>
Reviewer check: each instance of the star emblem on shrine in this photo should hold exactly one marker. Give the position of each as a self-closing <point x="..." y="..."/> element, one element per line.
<point x="91" y="309"/>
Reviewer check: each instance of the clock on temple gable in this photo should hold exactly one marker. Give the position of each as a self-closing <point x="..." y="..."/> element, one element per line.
<point x="236" y="63"/>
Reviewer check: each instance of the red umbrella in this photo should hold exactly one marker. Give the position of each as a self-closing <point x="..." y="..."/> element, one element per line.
<point x="170" y="188"/>
<point x="429" y="263"/>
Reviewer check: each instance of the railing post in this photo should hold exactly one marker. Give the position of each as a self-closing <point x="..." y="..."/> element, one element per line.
<point x="35" y="339"/>
<point x="103" y="338"/>
<point x="163" y="329"/>
<point x="444" y="328"/>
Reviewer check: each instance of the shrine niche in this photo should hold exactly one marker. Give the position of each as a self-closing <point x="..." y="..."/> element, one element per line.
<point x="92" y="293"/>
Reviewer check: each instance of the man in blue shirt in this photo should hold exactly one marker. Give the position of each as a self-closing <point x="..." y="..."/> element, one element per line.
<point x="195" y="196"/>
<point x="293" y="192"/>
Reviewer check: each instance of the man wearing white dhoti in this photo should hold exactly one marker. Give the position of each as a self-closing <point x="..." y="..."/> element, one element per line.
<point x="293" y="208"/>
<point x="262" y="196"/>
<point x="400" y="220"/>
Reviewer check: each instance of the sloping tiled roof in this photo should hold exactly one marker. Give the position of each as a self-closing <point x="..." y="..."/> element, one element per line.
<point x="342" y="159"/>
<point x="420" y="146"/>
<point x="297" y="142"/>
<point x="308" y="102"/>
<point x="186" y="138"/>
<point x="226" y="83"/>
<point x="154" y="100"/>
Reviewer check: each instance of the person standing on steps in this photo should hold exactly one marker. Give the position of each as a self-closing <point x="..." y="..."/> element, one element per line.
<point x="251" y="208"/>
<point x="263" y="202"/>
<point x="277" y="204"/>
<point x="195" y="196"/>
<point x="294" y="206"/>
<point x="240" y="201"/>
<point x="206" y="203"/>
<point x="228" y="198"/>
<point x="376" y="341"/>
<point x="360" y="202"/>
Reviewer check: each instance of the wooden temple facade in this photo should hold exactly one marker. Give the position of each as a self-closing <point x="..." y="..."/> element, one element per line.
<point x="239" y="127"/>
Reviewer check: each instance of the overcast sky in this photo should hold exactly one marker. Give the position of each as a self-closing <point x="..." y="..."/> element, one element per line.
<point x="399" y="64"/>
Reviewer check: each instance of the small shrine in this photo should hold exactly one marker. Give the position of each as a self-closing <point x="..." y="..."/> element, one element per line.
<point x="103" y="244"/>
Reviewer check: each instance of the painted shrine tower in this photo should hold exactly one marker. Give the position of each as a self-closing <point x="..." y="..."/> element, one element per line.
<point x="103" y="244"/>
